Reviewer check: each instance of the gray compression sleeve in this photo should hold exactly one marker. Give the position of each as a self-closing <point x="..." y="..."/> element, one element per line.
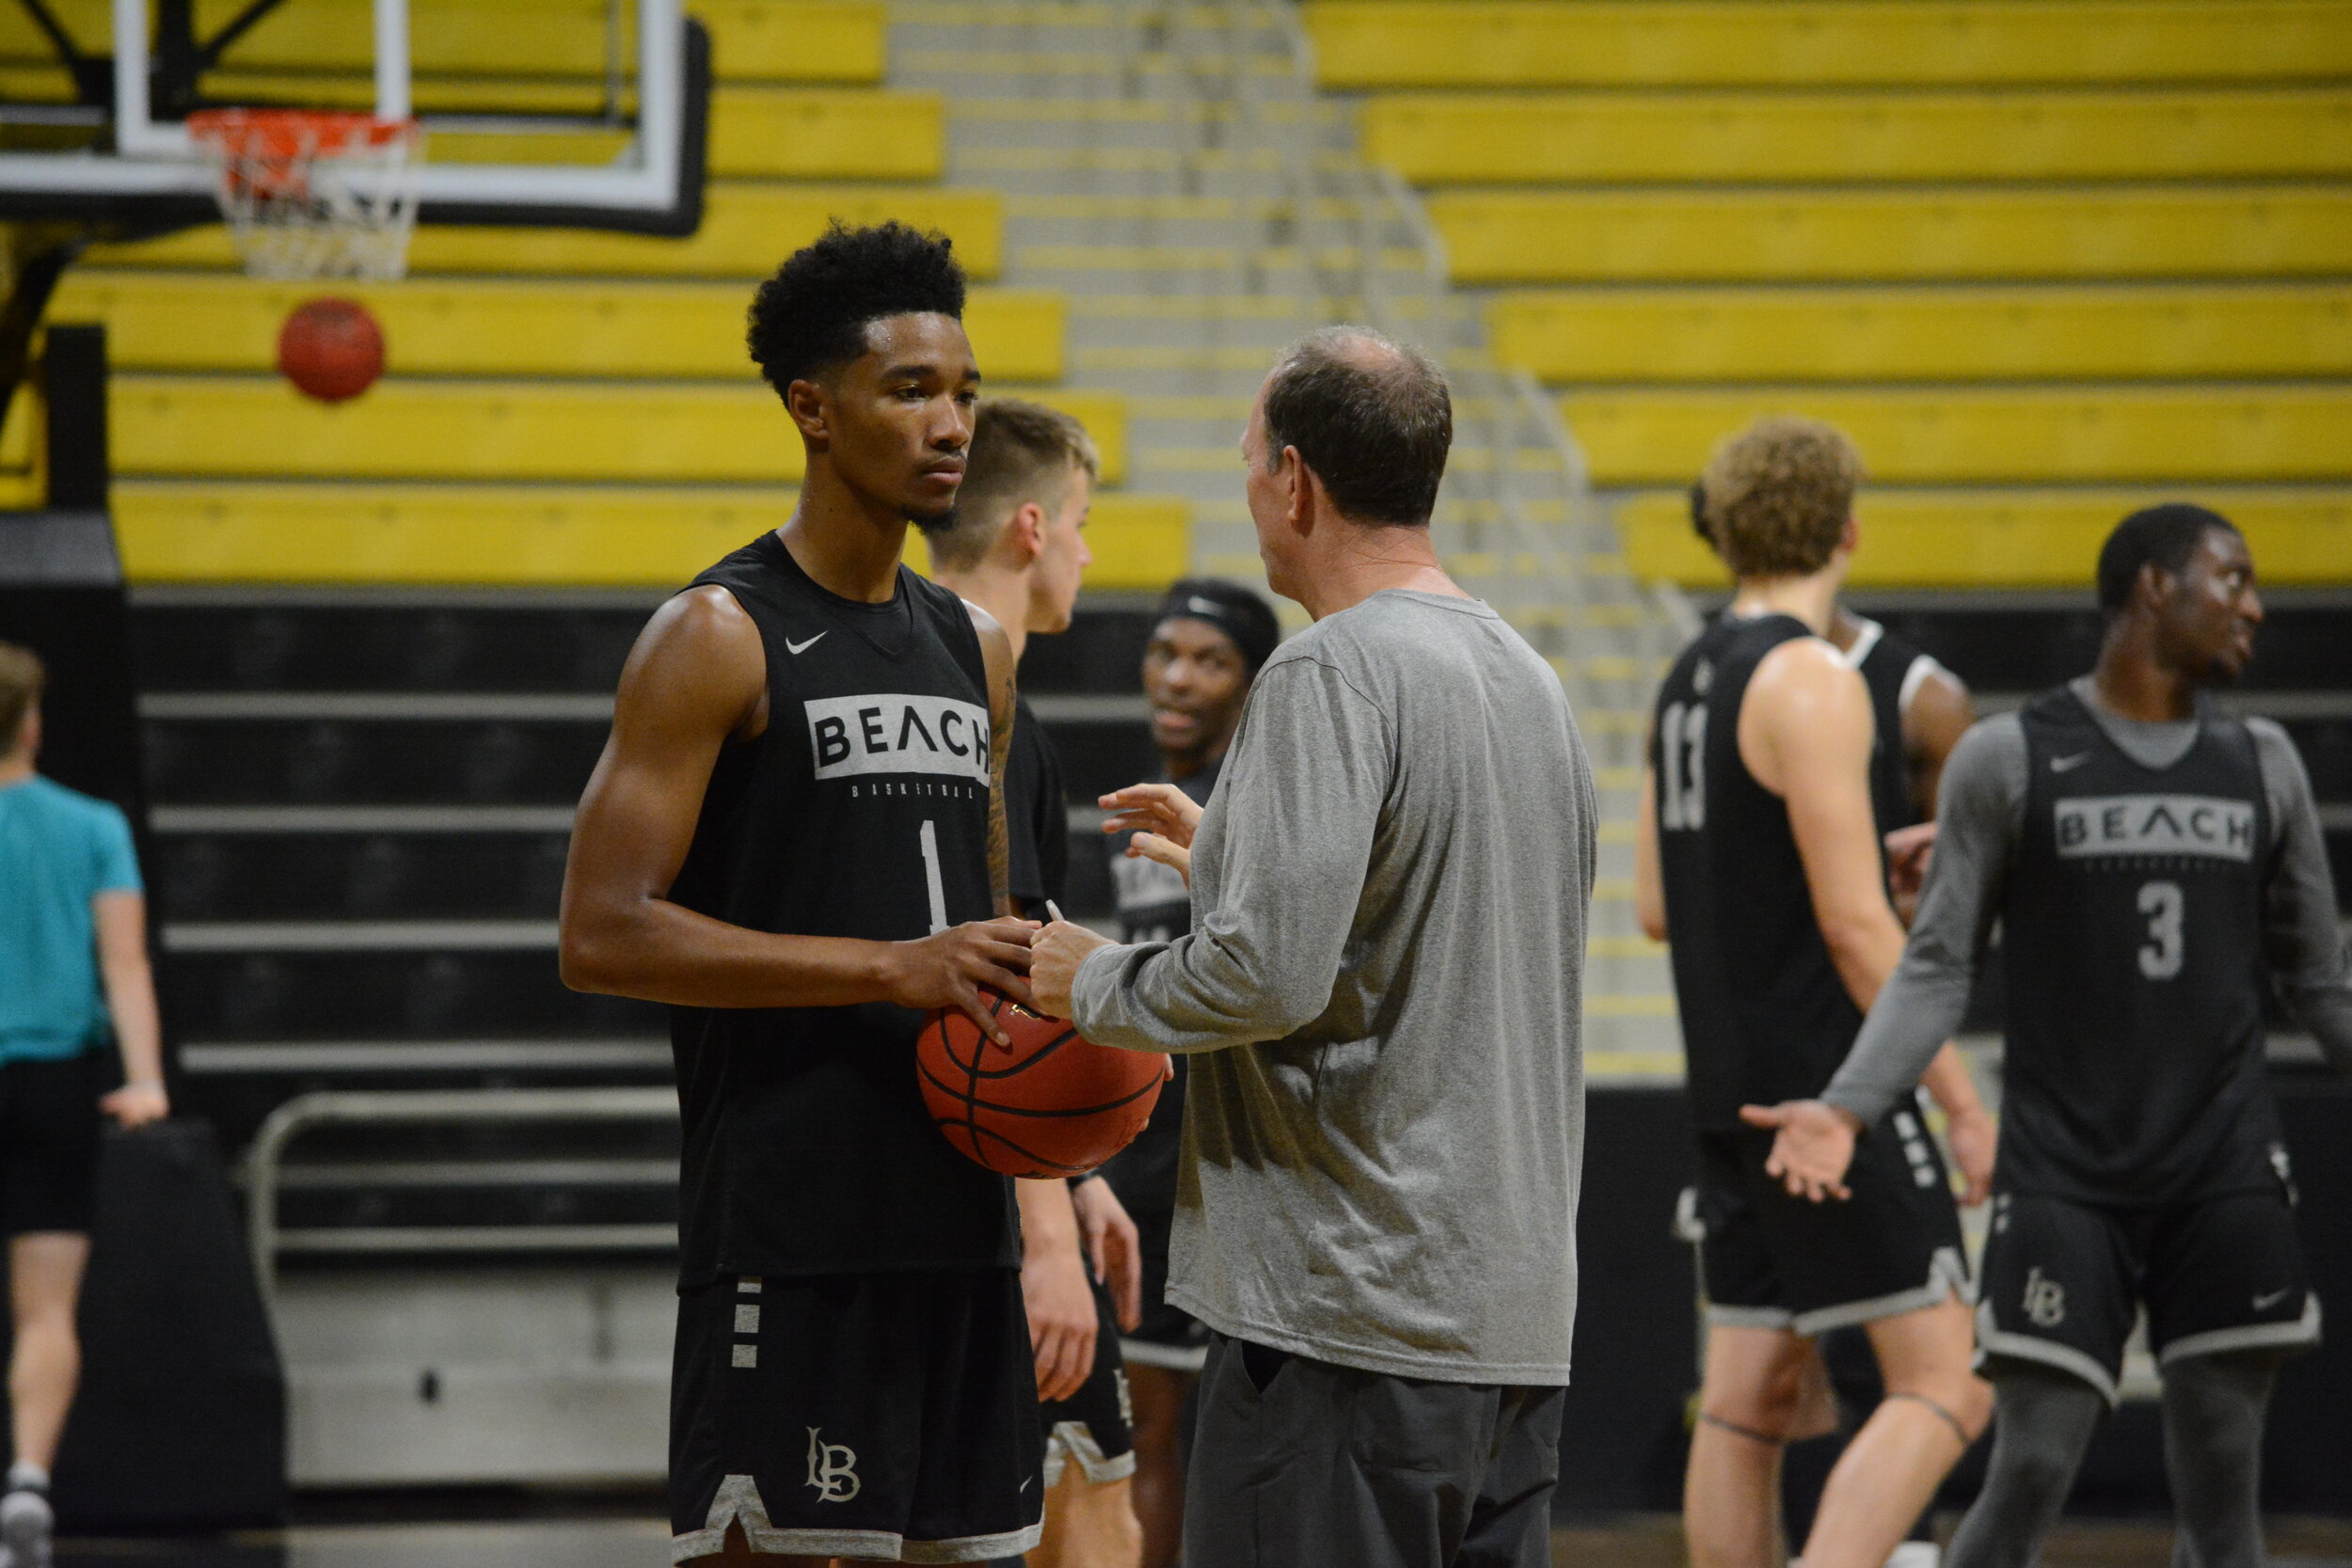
<point x="1979" y="813"/>
<point x="2042" y="1422"/>
<point x="2214" y="1407"/>
<point x="2302" y="945"/>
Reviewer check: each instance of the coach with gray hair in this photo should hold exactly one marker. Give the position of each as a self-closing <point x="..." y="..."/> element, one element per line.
<point x="1380" y="995"/>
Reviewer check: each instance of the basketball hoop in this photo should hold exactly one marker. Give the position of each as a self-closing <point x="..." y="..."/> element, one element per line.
<point x="309" y="193"/>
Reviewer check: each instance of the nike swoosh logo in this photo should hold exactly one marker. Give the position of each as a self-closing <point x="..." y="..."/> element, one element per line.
<point x="792" y="647"/>
<point x="2263" y="1303"/>
<point x="1023" y="1486"/>
<point x="2057" y="764"/>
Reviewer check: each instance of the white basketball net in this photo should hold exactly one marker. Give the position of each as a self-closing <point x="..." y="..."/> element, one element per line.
<point x="309" y="194"/>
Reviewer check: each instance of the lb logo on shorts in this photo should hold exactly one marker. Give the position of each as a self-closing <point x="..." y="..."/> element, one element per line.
<point x="832" y="1469"/>
<point x="2045" y="1299"/>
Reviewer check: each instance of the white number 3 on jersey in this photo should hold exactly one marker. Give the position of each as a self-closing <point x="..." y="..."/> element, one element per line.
<point x="2160" y="958"/>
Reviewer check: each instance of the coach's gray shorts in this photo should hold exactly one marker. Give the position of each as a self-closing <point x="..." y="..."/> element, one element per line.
<point x="1302" y="1464"/>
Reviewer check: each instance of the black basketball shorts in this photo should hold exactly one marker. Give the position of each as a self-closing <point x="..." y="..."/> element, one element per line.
<point x="1167" y="1337"/>
<point x="1094" y="1426"/>
<point x="2063" y="1282"/>
<point x="890" y="1416"/>
<point x="1768" y="1259"/>
<point x="49" y="1122"/>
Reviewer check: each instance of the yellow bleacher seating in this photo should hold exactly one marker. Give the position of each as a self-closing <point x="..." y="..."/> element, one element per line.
<point x="747" y="229"/>
<point x="798" y="40"/>
<point x="173" y="321"/>
<point x="1768" y="335"/>
<point x="1399" y="43"/>
<point x="2167" y="134"/>
<point x="1543" y="236"/>
<point x="179" y="531"/>
<point x="620" y="432"/>
<point x="2013" y="538"/>
<point x="2038" y="435"/>
<point x="826" y="133"/>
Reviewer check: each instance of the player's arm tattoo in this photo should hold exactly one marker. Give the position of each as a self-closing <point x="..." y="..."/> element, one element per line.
<point x="997" y="666"/>
<point x="1002" y="716"/>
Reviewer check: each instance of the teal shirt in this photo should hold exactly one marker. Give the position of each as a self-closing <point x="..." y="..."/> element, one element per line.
<point x="58" y="850"/>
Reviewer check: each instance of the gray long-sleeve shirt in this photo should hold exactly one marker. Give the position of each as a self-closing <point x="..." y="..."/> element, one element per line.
<point x="1383" y="985"/>
<point x="1981" y="815"/>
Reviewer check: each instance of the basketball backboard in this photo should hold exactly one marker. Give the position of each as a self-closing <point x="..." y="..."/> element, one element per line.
<point x="579" y="113"/>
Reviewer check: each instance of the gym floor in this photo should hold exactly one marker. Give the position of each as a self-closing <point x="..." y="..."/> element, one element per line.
<point x="1645" y="1542"/>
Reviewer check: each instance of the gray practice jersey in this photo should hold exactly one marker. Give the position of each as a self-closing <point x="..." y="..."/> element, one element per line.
<point x="1384" y="1130"/>
<point x="1981" y="809"/>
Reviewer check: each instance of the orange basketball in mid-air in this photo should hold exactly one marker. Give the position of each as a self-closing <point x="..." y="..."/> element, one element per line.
<point x="1049" y="1104"/>
<point x="332" y="349"/>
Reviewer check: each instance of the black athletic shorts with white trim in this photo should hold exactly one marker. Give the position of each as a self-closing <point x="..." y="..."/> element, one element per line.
<point x="1094" y="1426"/>
<point x="1768" y="1259"/>
<point x="1167" y="1337"/>
<point x="49" y="1124"/>
<point x="882" y="1417"/>
<point x="2063" y="1282"/>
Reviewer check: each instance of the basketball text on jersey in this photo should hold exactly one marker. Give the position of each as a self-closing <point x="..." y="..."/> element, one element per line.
<point x="2204" y="825"/>
<point x="883" y="733"/>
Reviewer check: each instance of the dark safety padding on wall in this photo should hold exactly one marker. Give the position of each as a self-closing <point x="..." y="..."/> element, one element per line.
<point x="180" y="1421"/>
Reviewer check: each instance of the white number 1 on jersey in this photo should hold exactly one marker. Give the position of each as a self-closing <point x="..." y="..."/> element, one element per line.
<point x="930" y="877"/>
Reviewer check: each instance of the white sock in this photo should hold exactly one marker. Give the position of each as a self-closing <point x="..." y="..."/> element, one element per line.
<point x="26" y="1476"/>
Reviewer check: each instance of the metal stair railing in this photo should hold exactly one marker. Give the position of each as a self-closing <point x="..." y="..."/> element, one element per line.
<point x="266" y="1176"/>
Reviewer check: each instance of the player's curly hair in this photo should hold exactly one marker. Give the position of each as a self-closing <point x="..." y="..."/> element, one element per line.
<point x="811" y="316"/>
<point x="1777" y="495"/>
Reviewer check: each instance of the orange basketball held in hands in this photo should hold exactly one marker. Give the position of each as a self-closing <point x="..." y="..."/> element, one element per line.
<point x="1048" y="1104"/>
<point x="331" y="349"/>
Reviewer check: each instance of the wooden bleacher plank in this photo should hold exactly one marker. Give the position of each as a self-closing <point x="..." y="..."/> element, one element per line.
<point x="2023" y="538"/>
<point x="259" y="427"/>
<point x="748" y="228"/>
<point x="2164" y="230"/>
<point x="2171" y="134"/>
<point x="2244" y="432"/>
<point x="1398" y="43"/>
<point x="179" y="531"/>
<point x="1768" y="335"/>
<point x="179" y="320"/>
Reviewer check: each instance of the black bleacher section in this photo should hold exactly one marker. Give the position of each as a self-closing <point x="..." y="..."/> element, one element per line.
<point x="361" y="805"/>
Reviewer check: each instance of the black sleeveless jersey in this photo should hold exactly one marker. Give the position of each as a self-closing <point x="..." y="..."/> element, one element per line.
<point x="860" y="811"/>
<point x="1036" y="818"/>
<point x="2132" y="936"/>
<point x="1885" y="663"/>
<point x="1765" y="1017"/>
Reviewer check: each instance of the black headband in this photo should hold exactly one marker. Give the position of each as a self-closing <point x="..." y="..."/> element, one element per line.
<point x="1235" y="610"/>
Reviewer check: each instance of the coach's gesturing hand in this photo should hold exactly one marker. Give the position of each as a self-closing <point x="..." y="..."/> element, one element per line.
<point x="1162" y="818"/>
<point x="1814" y="1145"/>
<point x="948" y="969"/>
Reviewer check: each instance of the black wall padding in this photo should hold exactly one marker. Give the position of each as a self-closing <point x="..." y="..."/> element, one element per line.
<point x="1622" y="1437"/>
<point x="181" y="1423"/>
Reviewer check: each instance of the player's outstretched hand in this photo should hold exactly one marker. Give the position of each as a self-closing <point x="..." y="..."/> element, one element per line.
<point x="1974" y="1138"/>
<point x="1908" y="853"/>
<point x="136" y="1104"/>
<point x="1812" y="1148"/>
<point x="1053" y="961"/>
<point x="1112" y="1248"/>
<point x="948" y="969"/>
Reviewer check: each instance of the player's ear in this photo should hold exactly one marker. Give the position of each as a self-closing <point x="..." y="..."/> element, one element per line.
<point x="809" y="403"/>
<point x="1850" y="537"/>
<point x="1027" y="533"/>
<point x="1301" y="490"/>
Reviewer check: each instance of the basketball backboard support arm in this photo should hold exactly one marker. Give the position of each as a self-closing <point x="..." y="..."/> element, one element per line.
<point x="653" y="187"/>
